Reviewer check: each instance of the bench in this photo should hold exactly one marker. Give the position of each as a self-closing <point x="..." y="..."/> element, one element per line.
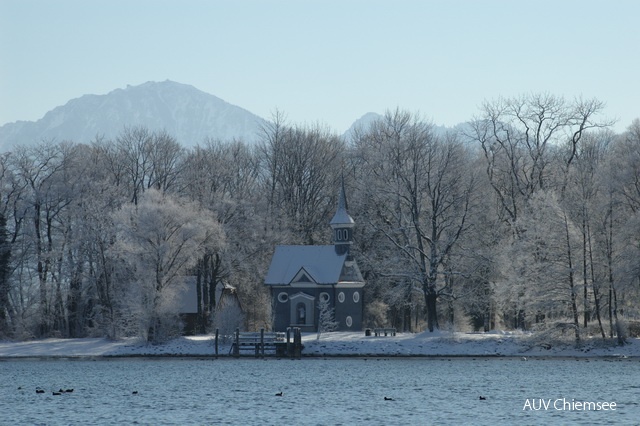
<point x="384" y="332"/>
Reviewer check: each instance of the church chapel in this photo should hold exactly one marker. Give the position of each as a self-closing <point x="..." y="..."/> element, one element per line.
<point x="301" y="276"/>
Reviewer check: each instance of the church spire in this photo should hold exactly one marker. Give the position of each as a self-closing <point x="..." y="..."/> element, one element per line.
<point x="342" y="224"/>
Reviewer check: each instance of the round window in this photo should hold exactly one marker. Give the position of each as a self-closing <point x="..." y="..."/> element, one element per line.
<point x="356" y="297"/>
<point x="349" y="321"/>
<point x="341" y="297"/>
<point x="324" y="297"/>
<point x="283" y="297"/>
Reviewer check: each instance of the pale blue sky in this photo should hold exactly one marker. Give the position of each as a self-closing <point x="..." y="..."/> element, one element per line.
<point x="324" y="61"/>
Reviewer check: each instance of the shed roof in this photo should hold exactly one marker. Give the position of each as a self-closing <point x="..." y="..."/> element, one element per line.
<point x="322" y="263"/>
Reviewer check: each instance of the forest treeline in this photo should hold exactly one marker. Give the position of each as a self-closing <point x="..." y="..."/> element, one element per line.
<point x="527" y="217"/>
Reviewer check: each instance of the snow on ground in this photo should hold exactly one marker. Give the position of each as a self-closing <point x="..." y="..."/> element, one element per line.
<point x="439" y="343"/>
<point x="456" y="344"/>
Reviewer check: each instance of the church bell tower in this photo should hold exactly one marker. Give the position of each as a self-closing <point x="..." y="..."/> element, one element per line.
<point x="342" y="225"/>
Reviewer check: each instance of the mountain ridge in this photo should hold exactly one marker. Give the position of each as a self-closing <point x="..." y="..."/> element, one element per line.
<point x="185" y="112"/>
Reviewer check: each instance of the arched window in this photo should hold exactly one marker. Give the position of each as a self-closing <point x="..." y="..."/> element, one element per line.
<point x="301" y="309"/>
<point x="342" y="235"/>
<point x="301" y="313"/>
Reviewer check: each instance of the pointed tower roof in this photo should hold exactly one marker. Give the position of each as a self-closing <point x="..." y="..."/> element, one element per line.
<point x="342" y="217"/>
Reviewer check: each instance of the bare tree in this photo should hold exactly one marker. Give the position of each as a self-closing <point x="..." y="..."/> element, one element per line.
<point x="529" y="144"/>
<point x="581" y="197"/>
<point x="423" y="193"/>
<point x="517" y="136"/>
<point x="300" y="168"/>
<point x="165" y="161"/>
<point x="43" y="170"/>
<point x="134" y="152"/>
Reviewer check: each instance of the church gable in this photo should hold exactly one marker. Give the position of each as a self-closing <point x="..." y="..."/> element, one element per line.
<point x="302" y="277"/>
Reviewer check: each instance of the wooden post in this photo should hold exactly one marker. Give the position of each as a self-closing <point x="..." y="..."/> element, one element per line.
<point x="236" y="349"/>
<point x="262" y="341"/>
<point x="216" y="343"/>
<point x="297" y="342"/>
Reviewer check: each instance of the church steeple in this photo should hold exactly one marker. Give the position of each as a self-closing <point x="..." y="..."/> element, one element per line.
<point x="342" y="224"/>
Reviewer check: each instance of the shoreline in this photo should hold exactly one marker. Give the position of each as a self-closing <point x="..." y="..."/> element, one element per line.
<point x="451" y="345"/>
<point x="612" y="357"/>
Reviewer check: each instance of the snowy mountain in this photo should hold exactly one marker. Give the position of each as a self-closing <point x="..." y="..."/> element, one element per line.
<point x="188" y="114"/>
<point x="363" y="123"/>
<point x="185" y="112"/>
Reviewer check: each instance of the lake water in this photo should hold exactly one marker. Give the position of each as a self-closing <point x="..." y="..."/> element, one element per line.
<point x="332" y="391"/>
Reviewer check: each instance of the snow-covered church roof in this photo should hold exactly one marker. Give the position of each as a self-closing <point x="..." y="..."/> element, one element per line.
<point x="321" y="263"/>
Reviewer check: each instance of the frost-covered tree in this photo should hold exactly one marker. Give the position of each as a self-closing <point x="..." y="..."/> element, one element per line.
<point x="228" y="318"/>
<point x="529" y="144"/>
<point x="421" y="192"/>
<point x="543" y="273"/>
<point x="5" y="257"/>
<point x="48" y="183"/>
<point x="160" y="238"/>
<point x="326" y="318"/>
<point x="617" y="230"/>
<point x="583" y="198"/>
<point x="223" y="177"/>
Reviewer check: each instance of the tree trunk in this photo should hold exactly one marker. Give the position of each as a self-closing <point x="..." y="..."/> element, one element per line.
<point x="574" y="308"/>
<point x="596" y="291"/>
<point x="432" y="315"/>
<point x="586" y="316"/>
<point x="73" y="302"/>
<point x="406" y="307"/>
<point x="5" y="257"/>
<point x="199" y="298"/>
<point x="406" y="317"/>
<point x="42" y="268"/>
<point x="610" y="309"/>
<point x="216" y="275"/>
<point x="619" y="330"/>
<point x="610" y="269"/>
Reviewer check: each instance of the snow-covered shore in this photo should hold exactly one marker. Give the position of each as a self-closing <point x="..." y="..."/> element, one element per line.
<point x="333" y="344"/>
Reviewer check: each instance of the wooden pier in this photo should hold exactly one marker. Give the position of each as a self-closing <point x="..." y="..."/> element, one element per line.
<point x="263" y="343"/>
